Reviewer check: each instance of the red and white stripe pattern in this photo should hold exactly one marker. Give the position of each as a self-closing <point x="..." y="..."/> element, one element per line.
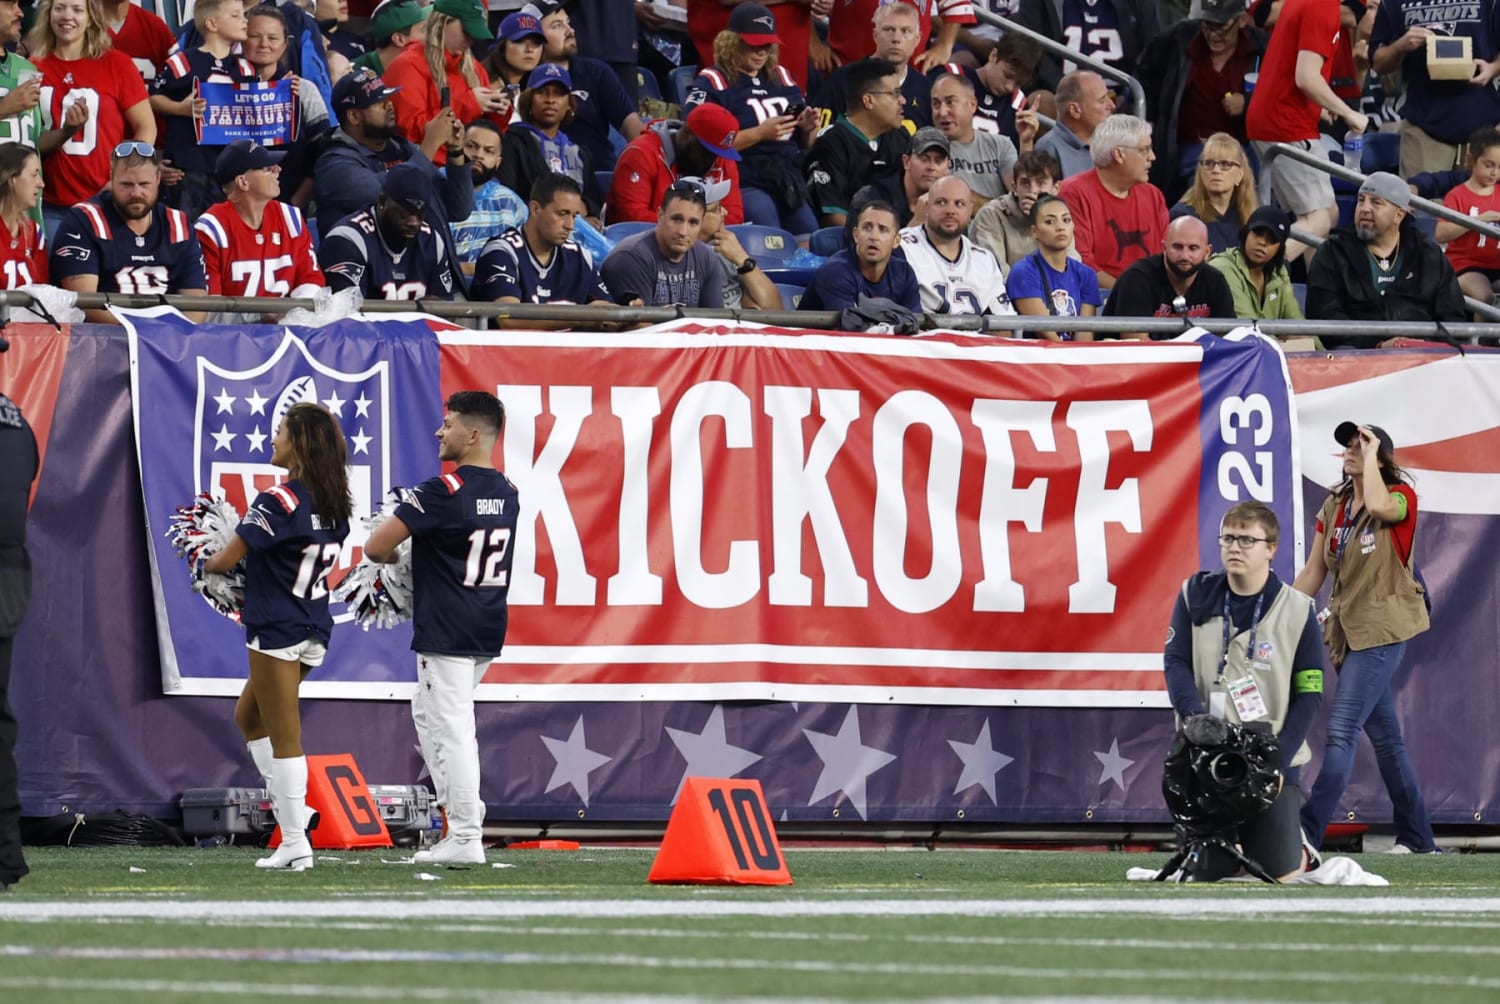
<point x="178" y="228"/>
<point x="454" y="483"/>
<point x="284" y="495"/>
<point x="95" y="216"/>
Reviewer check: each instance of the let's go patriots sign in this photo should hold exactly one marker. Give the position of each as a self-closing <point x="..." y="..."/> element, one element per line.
<point x="265" y="111"/>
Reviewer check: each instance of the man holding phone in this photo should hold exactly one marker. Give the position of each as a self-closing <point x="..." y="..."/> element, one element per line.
<point x="20" y="83"/>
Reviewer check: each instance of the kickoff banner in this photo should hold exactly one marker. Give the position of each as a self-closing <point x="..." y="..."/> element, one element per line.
<point x="207" y="400"/>
<point x="737" y="512"/>
<point x="266" y="111"/>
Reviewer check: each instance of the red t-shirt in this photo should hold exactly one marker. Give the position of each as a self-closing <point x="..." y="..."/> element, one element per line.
<point x="1279" y="112"/>
<point x="706" y="18"/>
<point x="1112" y="233"/>
<point x="1472" y="250"/>
<point x="23" y="256"/>
<point x="146" y="39"/>
<point x="110" y="84"/>
<point x="1401" y="533"/>
<point x="271" y="261"/>
<point x="851" y="33"/>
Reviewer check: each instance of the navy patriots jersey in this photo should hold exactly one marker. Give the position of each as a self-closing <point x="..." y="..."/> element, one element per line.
<point x="94" y="240"/>
<point x="506" y="267"/>
<point x="753" y="100"/>
<point x="355" y="254"/>
<point x="461" y="527"/>
<point x="292" y="551"/>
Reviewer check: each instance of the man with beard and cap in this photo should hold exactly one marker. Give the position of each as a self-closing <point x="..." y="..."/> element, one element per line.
<point x="387" y="250"/>
<point x="599" y="98"/>
<point x="668" y="265"/>
<point x="1173" y="283"/>
<point x="496" y="207"/>
<point x="1383" y="268"/>
<point x="870" y="267"/>
<point x="702" y="146"/>
<point x="957" y="276"/>
<point x="124" y="241"/>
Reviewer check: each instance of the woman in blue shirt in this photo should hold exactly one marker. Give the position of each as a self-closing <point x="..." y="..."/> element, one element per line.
<point x="1047" y="281"/>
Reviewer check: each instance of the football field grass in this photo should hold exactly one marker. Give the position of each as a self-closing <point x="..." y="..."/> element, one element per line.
<point x="123" y="925"/>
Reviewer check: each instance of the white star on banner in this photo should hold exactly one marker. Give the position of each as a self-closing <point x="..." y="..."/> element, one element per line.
<point x="223" y="439"/>
<point x="225" y="401"/>
<point x="575" y="761"/>
<point x="361" y="441"/>
<point x="981" y="763"/>
<point x="362" y="406"/>
<point x="335" y="404"/>
<point x="708" y="753"/>
<point x="256" y="439"/>
<point x="847" y="762"/>
<point x="424" y="771"/>
<point x="257" y="403"/>
<point x="1113" y="764"/>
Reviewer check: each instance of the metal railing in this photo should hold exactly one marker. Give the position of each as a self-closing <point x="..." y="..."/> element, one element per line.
<point x="1137" y="93"/>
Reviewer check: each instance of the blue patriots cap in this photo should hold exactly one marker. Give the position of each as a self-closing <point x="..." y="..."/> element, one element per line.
<point x="407" y="186"/>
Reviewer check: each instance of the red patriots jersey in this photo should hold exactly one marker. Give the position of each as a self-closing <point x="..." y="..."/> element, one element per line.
<point x="23" y="256"/>
<point x="107" y="85"/>
<point x="271" y="261"/>
<point x="146" y="39"/>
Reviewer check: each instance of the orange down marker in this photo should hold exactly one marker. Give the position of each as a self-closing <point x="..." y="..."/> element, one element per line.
<point x="720" y="833"/>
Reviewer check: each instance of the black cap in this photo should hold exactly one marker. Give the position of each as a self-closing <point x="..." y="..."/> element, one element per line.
<point x="1348" y="430"/>
<point x="407" y="186"/>
<point x="1278" y="222"/>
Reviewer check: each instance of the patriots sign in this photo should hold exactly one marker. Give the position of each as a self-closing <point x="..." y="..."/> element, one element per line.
<point x="226" y="388"/>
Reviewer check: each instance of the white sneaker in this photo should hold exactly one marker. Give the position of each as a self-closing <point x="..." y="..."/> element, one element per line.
<point x="296" y="856"/>
<point x="452" y="852"/>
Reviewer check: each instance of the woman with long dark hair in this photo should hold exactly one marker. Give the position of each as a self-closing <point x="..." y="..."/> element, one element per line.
<point x="290" y="538"/>
<point x="23" y="251"/>
<point x="1364" y="537"/>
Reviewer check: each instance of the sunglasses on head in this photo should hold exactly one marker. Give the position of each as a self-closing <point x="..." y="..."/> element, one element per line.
<point x="135" y="148"/>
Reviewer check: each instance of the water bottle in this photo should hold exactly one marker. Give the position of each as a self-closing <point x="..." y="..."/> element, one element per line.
<point x="1354" y="149"/>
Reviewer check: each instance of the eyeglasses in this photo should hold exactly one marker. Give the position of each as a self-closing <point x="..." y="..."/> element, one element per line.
<point x="890" y="94"/>
<point x="1245" y="542"/>
<point x="135" y="148"/>
<point x="1219" y="29"/>
<point x="1218" y="165"/>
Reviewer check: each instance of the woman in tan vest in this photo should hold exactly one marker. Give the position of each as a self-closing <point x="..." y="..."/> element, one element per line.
<point x="1364" y="537"/>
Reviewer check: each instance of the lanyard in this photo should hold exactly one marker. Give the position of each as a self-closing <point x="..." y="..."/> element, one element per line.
<point x="1260" y="599"/>
<point x="1341" y="534"/>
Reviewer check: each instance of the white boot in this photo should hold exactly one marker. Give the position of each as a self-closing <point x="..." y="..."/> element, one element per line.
<point x="289" y="799"/>
<point x="260" y="752"/>
<point x="453" y="851"/>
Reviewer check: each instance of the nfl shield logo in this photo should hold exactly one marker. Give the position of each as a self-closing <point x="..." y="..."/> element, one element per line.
<point x="1263" y="651"/>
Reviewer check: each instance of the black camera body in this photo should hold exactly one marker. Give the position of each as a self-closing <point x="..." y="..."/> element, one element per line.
<point x="1219" y="774"/>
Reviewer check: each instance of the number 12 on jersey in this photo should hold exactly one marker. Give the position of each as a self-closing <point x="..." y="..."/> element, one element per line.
<point x="487" y="550"/>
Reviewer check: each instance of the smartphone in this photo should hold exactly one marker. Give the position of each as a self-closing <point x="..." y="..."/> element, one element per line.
<point x="796" y="110"/>
<point x="443" y="97"/>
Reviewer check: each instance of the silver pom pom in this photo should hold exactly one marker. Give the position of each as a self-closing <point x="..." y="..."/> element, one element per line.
<point x="198" y="532"/>
<point x="380" y="595"/>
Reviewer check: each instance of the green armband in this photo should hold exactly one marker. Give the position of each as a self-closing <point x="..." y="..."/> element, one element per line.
<point x="1307" y="681"/>
<point x="1400" y="501"/>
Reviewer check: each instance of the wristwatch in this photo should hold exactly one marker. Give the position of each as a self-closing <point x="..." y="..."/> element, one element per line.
<point x="746" y="267"/>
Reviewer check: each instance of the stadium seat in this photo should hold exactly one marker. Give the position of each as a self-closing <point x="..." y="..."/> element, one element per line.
<point x="790" y="276"/>
<point x="790" y="295"/>
<point x="1346" y="208"/>
<point x="1424" y="223"/>
<point x="618" y="141"/>
<point x="1300" y="288"/>
<point x="766" y="245"/>
<point x="827" y="241"/>
<point x="604" y="179"/>
<point x="646" y="85"/>
<point x="619" y="231"/>
<point x="679" y="82"/>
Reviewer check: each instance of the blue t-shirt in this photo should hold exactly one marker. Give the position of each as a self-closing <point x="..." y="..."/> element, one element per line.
<point x="507" y="267"/>
<point x="1071" y="288"/>
<point x="601" y="102"/>
<point x="292" y="550"/>
<point x="355" y="254"/>
<point x="462" y="525"/>
<point x="1447" y="110"/>
<point x="839" y="283"/>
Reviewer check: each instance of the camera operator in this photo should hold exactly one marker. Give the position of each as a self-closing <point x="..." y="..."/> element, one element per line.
<point x="1245" y="647"/>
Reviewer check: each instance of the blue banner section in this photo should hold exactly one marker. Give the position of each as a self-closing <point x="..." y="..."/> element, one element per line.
<point x="266" y="112"/>
<point x="226" y="388"/>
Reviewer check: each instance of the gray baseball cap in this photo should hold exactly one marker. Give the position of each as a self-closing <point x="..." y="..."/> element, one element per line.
<point x="928" y="137"/>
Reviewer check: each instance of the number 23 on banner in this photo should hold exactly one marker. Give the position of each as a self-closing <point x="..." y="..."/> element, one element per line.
<point x="1246" y="423"/>
<point x="720" y="833"/>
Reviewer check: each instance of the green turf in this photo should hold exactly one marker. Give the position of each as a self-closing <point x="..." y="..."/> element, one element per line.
<point x="857" y="925"/>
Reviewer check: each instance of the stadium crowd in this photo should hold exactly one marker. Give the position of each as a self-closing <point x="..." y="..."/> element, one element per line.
<point x="720" y="153"/>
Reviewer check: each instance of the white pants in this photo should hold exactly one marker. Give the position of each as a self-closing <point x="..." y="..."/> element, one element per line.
<point x="443" y="712"/>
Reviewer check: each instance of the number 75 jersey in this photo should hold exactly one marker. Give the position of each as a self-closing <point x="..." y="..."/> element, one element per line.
<point x="462" y="525"/>
<point x="272" y="261"/>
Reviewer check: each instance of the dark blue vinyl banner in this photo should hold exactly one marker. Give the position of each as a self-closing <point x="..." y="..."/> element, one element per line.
<point x="266" y="111"/>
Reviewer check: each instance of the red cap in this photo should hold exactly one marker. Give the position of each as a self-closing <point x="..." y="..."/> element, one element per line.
<point x="716" y="127"/>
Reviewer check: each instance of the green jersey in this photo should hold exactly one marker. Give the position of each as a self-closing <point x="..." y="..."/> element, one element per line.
<point x="26" y="127"/>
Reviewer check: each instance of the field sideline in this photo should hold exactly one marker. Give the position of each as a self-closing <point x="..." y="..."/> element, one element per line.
<point x="141" y="924"/>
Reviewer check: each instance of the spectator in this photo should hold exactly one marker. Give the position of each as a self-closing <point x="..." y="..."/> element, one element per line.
<point x="90" y="81"/>
<point x="1001" y="105"/>
<point x="23" y="248"/>
<point x="140" y="34"/>
<point x="174" y="96"/>
<point x="393" y="25"/>
<point x="1438" y="115"/>
<point x="538" y="262"/>
<point x="610" y="35"/>
<point x="850" y="39"/>
<point x="124" y="240"/>
<point x="1111" y="31"/>
<point x="869" y="267"/>
<point x="518" y="50"/>
<point x="266" y="34"/>
<point x="956" y="276"/>
<point x="701" y="147"/>
<point x="364" y="147"/>
<point x="746" y="285"/>
<point x="668" y="265"/>
<point x="537" y="146"/>
<point x="599" y="101"/>
<point x="254" y="244"/>
<point x="747" y="80"/>
<point x="1196" y="72"/>
<point x="1083" y="102"/>
<point x="906" y="192"/>
<point x="1046" y="280"/>
<point x="332" y="17"/>
<point x="387" y="251"/>
<point x="862" y="146"/>
<point x="1173" y="283"/>
<point x="896" y="38"/>
<point x="1474" y="258"/>
<point x="1256" y="268"/>
<point x="1120" y="216"/>
<point x="1222" y="194"/>
<point x="440" y="65"/>
<point x="20" y="84"/>
<point x="985" y="160"/>
<point x="1004" y="225"/>
<point x="1290" y="94"/>
<point x="496" y="208"/>
<point x="706" y="18"/>
<point x="1382" y="268"/>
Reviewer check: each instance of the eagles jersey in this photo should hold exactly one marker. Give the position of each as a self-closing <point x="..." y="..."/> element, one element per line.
<point x="271" y="261"/>
<point x="508" y="268"/>
<point x="175" y="81"/>
<point x="292" y="550"/>
<point x="107" y="86"/>
<point x="92" y="239"/>
<point x="462" y="525"/>
<point x="970" y="284"/>
<point x="23" y="127"/>
<point x="355" y="254"/>
<point x="23" y="256"/>
<point x="752" y="100"/>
